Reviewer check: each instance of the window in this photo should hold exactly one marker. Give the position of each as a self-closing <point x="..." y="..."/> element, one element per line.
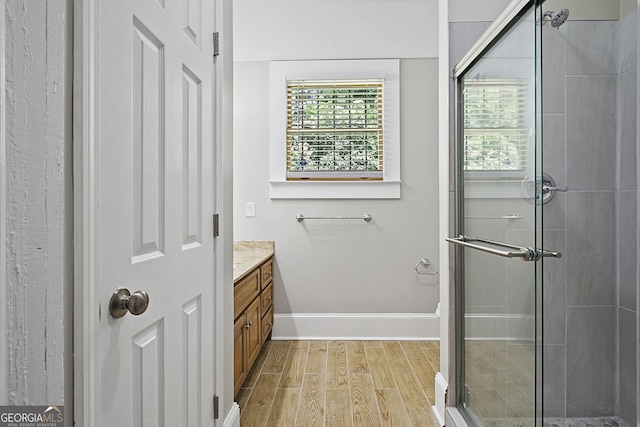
<point x="495" y="126"/>
<point x="334" y="129"/>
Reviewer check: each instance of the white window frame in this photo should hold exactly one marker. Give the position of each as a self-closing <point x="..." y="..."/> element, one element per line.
<point x="280" y="72"/>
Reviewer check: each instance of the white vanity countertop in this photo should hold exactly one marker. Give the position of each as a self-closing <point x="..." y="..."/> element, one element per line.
<point x="248" y="254"/>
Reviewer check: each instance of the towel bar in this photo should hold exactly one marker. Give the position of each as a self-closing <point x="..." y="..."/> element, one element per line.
<point x="366" y="217"/>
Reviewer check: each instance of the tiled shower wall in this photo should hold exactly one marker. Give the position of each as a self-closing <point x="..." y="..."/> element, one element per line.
<point x="580" y="139"/>
<point x="627" y="214"/>
<point x="590" y="109"/>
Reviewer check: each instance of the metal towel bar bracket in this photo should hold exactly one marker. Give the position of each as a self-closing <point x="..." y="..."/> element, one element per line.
<point x="366" y="217"/>
<point x="422" y="267"/>
<point x="524" y="253"/>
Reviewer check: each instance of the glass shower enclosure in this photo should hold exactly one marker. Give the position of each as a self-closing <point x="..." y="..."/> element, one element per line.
<point x="546" y="313"/>
<point x="499" y="231"/>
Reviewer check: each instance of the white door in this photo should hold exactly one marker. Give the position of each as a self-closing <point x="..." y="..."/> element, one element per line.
<point x="155" y="196"/>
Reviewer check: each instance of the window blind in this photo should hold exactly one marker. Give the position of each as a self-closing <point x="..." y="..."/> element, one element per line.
<point x="495" y="125"/>
<point x="334" y="129"/>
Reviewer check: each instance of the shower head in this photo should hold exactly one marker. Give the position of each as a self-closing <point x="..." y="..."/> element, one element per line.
<point x="557" y="18"/>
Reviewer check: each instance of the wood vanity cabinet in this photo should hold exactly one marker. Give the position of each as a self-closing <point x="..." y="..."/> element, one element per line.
<point x="253" y="313"/>
<point x="266" y="299"/>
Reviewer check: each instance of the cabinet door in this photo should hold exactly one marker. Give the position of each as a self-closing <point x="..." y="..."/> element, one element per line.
<point x="253" y="332"/>
<point x="267" y="323"/>
<point x="239" y="359"/>
<point x="266" y="273"/>
<point x="266" y="299"/>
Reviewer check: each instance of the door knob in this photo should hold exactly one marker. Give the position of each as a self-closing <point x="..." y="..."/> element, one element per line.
<point x="123" y="301"/>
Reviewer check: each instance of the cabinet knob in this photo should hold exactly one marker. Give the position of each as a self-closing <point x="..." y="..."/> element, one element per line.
<point x="269" y="298"/>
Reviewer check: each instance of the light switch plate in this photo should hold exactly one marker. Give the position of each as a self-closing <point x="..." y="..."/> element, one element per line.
<point x="250" y="209"/>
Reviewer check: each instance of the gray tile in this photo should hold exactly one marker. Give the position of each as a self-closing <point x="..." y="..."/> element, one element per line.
<point x="628" y="130"/>
<point x="518" y="43"/>
<point x="628" y="251"/>
<point x="590" y="254"/>
<point x="462" y="36"/>
<point x="520" y="278"/>
<point x="554" y="290"/>
<point x="485" y="281"/>
<point x="591" y="133"/>
<point x="554" y="164"/>
<point x="628" y="42"/>
<point x="553" y="132"/>
<point x="554" y="212"/>
<point x="591" y="350"/>
<point x="592" y="47"/>
<point x="554" y="380"/>
<point x="554" y="69"/>
<point x="628" y="366"/>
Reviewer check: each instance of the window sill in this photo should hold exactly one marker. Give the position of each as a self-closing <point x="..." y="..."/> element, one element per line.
<point x="334" y="190"/>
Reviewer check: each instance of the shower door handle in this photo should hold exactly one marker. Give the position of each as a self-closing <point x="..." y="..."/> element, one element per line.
<point x="513" y="251"/>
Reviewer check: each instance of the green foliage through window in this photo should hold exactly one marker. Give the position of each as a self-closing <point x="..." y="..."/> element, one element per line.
<point x="334" y="129"/>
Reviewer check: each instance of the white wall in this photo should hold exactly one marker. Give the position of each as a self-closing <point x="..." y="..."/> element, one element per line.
<point x="342" y="266"/>
<point x="471" y="10"/>
<point x="584" y="10"/>
<point x="488" y="10"/>
<point x="33" y="153"/>
<point x="332" y="29"/>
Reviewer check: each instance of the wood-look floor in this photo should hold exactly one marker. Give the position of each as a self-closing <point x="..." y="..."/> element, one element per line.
<point x="341" y="383"/>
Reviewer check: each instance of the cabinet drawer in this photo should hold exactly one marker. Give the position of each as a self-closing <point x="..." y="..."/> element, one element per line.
<point x="245" y="291"/>
<point x="266" y="299"/>
<point x="266" y="270"/>
<point x="267" y="323"/>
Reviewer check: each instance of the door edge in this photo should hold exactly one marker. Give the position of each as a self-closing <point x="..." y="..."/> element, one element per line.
<point x="85" y="247"/>
<point x="3" y="219"/>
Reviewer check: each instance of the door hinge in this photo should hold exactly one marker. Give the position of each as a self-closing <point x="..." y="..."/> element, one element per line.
<point x="216" y="44"/>
<point x="216" y="225"/>
<point x="216" y="407"/>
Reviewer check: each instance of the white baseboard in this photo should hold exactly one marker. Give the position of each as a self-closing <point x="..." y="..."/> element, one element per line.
<point x="364" y="326"/>
<point x="233" y="417"/>
<point x="439" y="409"/>
<point x="498" y="326"/>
